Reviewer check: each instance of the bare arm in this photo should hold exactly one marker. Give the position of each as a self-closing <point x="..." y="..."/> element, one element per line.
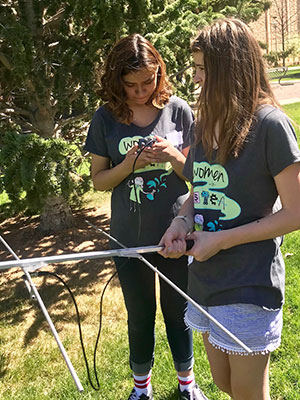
<point x="106" y="177"/>
<point x="207" y="244"/>
<point x="174" y="237"/>
<point x="284" y="221"/>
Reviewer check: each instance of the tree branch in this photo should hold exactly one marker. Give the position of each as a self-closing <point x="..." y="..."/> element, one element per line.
<point x="5" y="62"/>
<point x="74" y="95"/>
<point x="22" y="122"/>
<point x="62" y="123"/>
<point x="30" y="16"/>
<point x="181" y="71"/>
<point x="16" y="111"/>
<point x="32" y="90"/>
<point x="54" y="21"/>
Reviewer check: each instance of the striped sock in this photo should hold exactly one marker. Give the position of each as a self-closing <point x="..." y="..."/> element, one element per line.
<point x="186" y="382"/>
<point x="142" y="384"/>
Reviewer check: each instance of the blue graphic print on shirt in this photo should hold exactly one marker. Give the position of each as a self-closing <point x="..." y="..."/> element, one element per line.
<point x="137" y="184"/>
<point x="208" y="181"/>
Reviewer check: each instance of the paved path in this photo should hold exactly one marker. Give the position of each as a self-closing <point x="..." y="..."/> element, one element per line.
<point x="287" y="92"/>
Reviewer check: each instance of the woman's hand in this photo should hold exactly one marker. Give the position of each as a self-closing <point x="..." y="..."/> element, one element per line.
<point x="162" y="151"/>
<point x="174" y="240"/>
<point x="142" y="161"/>
<point x="206" y="244"/>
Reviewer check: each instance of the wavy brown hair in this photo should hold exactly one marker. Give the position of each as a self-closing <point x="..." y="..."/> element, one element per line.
<point x="235" y="86"/>
<point x="130" y="54"/>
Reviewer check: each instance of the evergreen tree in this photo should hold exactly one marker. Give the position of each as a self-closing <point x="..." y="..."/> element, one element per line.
<point x="51" y="52"/>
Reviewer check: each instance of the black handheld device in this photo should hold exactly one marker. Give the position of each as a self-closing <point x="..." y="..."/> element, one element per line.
<point x="147" y="141"/>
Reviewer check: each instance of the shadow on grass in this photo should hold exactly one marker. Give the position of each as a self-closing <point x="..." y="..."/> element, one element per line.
<point x="24" y="237"/>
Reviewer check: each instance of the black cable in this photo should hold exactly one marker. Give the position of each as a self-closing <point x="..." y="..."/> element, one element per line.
<point x="143" y="143"/>
<point x="147" y="142"/>
<point x="135" y="193"/>
<point x="45" y="273"/>
<point x="142" y="147"/>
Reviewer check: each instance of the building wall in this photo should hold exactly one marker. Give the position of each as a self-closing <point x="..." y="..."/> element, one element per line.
<point x="281" y="19"/>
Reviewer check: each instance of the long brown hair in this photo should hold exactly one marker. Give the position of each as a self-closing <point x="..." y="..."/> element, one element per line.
<point x="130" y="54"/>
<point x="235" y="86"/>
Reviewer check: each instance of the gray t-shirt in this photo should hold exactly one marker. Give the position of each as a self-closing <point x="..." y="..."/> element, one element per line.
<point x="242" y="191"/>
<point x="143" y="205"/>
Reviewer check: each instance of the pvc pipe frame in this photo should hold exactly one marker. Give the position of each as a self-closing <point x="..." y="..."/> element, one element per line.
<point x="136" y="252"/>
<point x="39" y="262"/>
<point x="31" y="287"/>
<point x="181" y="292"/>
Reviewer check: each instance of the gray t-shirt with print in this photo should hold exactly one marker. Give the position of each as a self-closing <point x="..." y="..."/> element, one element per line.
<point x="242" y="191"/>
<point x="143" y="205"/>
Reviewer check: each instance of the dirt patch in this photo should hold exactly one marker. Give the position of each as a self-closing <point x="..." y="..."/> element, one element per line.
<point x="25" y="238"/>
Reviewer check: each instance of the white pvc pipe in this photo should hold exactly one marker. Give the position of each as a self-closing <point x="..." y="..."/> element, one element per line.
<point x="39" y="262"/>
<point x="47" y="316"/>
<point x="124" y="252"/>
<point x="182" y="293"/>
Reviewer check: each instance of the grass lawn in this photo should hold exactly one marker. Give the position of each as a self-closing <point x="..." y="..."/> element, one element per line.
<point x="32" y="368"/>
<point x="292" y="74"/>
<point x="293" y="111"/>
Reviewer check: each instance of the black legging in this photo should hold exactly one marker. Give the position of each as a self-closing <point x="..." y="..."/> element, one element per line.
<point x="138" y="286"/>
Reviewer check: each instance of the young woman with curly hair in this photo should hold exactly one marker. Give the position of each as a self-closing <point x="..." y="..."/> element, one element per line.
<point x="148" y="190"/>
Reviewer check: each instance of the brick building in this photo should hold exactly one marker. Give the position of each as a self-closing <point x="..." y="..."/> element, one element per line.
<point x="279" y="27"/>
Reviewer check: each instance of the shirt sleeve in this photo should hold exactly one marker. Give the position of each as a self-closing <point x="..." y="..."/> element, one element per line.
<point x="95" y="141"/>
<point x="281" y="143"/>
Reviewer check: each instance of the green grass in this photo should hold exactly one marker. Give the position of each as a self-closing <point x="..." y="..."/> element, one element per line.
<point x="285" y="366"/>
<point x="293" y="111"/>
<point x="290" y="75"/>
<point x="31" y="366"/>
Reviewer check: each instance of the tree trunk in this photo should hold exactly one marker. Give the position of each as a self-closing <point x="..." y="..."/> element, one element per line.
<point x="56" y="215"/>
